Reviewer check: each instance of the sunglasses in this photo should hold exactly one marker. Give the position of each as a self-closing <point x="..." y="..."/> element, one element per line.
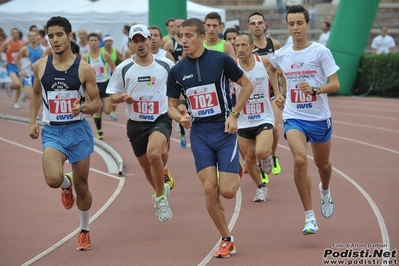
<point x="256" y="22"/>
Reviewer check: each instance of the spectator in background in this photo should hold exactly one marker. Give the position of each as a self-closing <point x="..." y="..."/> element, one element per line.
<point x="312" y="20"/>
<point x="289" y="3"/>
<point x="279" y="7"/>
<point x="383" y="43"/>
<point x="325" y="26"/>
<point x="312" y="16"/>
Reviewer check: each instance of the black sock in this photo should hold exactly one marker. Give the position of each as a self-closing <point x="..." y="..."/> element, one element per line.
<point x="226" y="238"/>
<point x="261" y="185"/>
<point x="97" y="121"/>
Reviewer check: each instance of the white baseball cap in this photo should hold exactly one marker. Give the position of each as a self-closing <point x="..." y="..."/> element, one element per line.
<point x="139" y="29"/>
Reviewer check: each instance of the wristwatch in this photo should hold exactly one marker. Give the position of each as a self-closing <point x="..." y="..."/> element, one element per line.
<point x="235" y="114"/>
<point x="82" y="108"/>
<point x="314" y="90"/>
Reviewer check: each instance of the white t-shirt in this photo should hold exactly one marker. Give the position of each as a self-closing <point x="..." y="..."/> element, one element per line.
<point x="147" y="86"/>
<point x="383" y="44"/>
<point x="125" y="43"/>
<point x="312" y="65"/>
<point x="324" y="38"/>
<point x="258" y="109"/>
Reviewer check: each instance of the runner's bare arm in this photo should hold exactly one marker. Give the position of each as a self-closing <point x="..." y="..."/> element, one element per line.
<point x="87" y="78"/>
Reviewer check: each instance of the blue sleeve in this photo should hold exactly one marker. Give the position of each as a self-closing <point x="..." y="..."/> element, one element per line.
<point x="232" y="71"/>
<point x="173" y="87"/>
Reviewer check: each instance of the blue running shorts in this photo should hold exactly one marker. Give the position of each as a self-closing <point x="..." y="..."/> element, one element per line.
<point x="315" y="131"/>
<point x="211" y="146"/>
<point x="75" y="140"/>
<point x="11" y="68"/>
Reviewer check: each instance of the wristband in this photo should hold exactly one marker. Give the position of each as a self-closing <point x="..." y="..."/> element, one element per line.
<point x="182" y="101"/>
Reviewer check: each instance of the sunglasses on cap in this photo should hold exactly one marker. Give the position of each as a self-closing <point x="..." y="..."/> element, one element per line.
<point x="256" y="22"/>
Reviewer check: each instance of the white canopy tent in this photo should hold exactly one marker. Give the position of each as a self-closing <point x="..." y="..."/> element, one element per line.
<point x="109" y="16"/>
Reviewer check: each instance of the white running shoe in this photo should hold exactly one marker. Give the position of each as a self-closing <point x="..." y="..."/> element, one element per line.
<point x="310" y="226"/>
<point x="261" y="194"/>
<point x="267" y="165"/>
<point x="327" y="204"/>
<point x="163" y="211"/>
<point x="15" y="105"/>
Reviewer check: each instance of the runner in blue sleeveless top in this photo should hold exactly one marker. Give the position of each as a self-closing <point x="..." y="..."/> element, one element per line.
<point x="66" y="134"/>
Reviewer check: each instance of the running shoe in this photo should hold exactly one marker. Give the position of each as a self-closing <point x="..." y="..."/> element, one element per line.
<point x="226" y="249"/>
<point x="267" y="165"/>
<point x="263" y="176"/>
<point x="183" y="142"/>
<point x="163" y="211"/>
<point x="261" y="194"/>
<point x="83" y="240"/>
<point x="100" y="135"/>
<point x="67" y="198"/>
<point x="310" y="226"/>
<point x="15" y="105"/>
<point x="112" y="117"/>
<point x="168" y="178"/>
<point x="276" y="166"/>
<point x="327" y="204"/>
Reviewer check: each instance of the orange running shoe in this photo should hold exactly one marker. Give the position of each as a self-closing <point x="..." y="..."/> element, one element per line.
<point x="67" y="198"/>
<point x="168" y="178"/>
<point x="226" y="249"/>
<point x="83" y="240"/>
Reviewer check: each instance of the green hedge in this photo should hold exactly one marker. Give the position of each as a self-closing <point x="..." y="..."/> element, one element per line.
<point x="379" y="74"/>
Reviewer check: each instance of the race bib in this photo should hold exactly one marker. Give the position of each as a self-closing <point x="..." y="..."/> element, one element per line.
<point x="60" y="105"/>
<point x="146" y="107"/>
<point x="203" y="101"/>
<point x="302" y="101"/>
<point x="99" y="72"/>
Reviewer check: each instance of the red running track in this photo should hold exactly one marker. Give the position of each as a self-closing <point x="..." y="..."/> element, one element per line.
<point x="37" y="230"/>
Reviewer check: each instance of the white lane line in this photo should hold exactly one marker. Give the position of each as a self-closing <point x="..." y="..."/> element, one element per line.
<point x="93" y="218"/>
<point x="384" y="109"/>
<point x="366" y="143"/>
<point x="366" y="126"/>
<point x="364" y="115"/>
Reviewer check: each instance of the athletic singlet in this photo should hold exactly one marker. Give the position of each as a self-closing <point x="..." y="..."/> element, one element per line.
<point x="13" y="49"/>
<point x="258" y="109"/>
<point x="268" y="51"/>
<point x="113" y="54"/>
<point x="161" y="53"/>
<point x="177" y="50"/>
<point x="34" y="54"/>
<point x="100" y="67"/>
<point x="60" y="89"/>
<point x="217" y="47"/>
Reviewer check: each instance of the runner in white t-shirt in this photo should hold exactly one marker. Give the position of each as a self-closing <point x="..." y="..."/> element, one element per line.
<point x="255" y="124"/>
<point x="310" y="72"/>
<point x="140" y="82"/>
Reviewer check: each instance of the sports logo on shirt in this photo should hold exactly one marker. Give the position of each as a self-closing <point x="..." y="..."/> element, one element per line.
<point x="297" y="65"/>
<point x="148" y="79"/>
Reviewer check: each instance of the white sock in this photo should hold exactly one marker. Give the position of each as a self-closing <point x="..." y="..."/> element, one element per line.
<point x="232" y="238"/>
<point x="309" y="213"/>
<point x="66" y="183"/>
<point x="84" y="217"/>
<point x="323" y="192"/>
